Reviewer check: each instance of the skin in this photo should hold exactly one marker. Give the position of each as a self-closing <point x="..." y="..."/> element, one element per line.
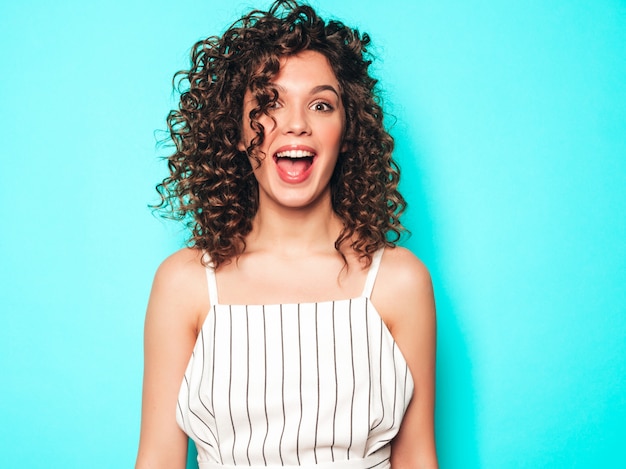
<point x="290" y="257"/>
<point x="308" y="115"/>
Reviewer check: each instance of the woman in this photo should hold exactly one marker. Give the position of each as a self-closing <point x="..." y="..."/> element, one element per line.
<point x="292" y="332"/>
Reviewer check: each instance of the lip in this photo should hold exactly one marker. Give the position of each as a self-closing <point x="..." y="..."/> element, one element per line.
<point x="300" y="177"/>
<point x="295" y="147"/>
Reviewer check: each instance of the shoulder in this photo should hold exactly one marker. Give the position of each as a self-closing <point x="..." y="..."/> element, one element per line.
<point x="175" y="309"/>
<point x="403" y="288"/>
<point x="406" y="304"/>
<point x="181" y="267"/>
<point x="180" y="285"/>
<point x="401" y="270"/>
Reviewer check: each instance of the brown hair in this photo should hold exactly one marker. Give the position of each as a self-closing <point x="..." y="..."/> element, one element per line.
<point x="211" y="186"/>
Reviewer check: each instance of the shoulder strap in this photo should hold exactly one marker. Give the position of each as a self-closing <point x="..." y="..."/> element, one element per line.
<point x="211" y="281"/>
<point x="371" y="274"/>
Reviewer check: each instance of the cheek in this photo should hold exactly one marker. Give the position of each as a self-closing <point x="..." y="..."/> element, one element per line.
<point x="334" y="134"/>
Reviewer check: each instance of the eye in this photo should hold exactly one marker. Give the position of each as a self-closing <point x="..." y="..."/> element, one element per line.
<point x="322" y="106"/>
<point x="275" y="105"/>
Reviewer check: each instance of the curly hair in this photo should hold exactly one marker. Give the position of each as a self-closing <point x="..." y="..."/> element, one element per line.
<point x="211" y="186"/>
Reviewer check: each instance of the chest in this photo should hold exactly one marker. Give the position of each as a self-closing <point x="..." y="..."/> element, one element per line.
<point x="313" y="377"/>
<point x="265" y="281"/>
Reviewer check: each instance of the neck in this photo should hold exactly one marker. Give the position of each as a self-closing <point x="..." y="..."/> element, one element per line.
<point x="294" y="231"/>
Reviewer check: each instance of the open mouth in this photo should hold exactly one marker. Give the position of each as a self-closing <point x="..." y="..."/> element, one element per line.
<point x="294" y="162"/>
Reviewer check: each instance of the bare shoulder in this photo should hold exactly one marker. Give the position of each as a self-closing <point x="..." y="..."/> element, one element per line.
<point x="180" y="266"/>
<point x="403" y="287"/>
<point x="403" y="296"/>
<point x="180" y="283"/>
<point x="178" y="303"/>
<point x="402" y="272"/>
<point x="404" y="261"/>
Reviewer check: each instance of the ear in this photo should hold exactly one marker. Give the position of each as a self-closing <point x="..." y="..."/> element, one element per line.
<point x="241" y="146"/>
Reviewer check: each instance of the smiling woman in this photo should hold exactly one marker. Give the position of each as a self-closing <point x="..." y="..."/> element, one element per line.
<point x="284" y="175"/>
<point x="303" y="133"/>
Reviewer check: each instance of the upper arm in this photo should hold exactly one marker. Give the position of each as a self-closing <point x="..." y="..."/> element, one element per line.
<point x="177" y="300"/>
<point x="404" y="296"/>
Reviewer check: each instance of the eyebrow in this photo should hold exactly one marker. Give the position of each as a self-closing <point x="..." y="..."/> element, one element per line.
<point x="314" y="90"/>
<point x="320" y="88"/>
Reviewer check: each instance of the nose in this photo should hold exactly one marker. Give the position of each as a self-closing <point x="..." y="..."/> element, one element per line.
<point x="295" y="122"/>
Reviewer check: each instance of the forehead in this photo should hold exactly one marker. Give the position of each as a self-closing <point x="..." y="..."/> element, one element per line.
<point x="307" y="68"/>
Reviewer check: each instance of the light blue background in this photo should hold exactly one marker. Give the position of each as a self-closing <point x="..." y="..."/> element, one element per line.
<point x="511" y="133"/>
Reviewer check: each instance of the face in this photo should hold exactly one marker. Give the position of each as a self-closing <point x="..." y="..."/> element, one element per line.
<point x="304" y="139"/>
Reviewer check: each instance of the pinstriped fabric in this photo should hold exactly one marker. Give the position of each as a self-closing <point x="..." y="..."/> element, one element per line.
<point x="307" y="384"/>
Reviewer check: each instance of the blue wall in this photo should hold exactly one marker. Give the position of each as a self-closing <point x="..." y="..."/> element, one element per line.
<point x="510" y="120"/>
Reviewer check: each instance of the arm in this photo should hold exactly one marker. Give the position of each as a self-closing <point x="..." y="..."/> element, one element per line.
<point x="405" y="295"/>
<point x="177" y="302"/>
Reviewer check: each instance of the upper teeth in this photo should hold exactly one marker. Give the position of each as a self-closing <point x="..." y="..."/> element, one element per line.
<point x="294" y="154"/>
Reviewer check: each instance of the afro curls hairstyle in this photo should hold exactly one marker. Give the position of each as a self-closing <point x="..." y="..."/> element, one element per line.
<point x="211" y="186"/>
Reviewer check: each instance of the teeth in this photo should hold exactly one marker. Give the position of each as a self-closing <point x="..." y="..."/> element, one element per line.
<point x="294" y="154"/>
